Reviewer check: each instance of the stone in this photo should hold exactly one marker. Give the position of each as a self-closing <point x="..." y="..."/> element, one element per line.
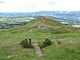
<point x="46" y="43"/>
<point x="26" y="43"/>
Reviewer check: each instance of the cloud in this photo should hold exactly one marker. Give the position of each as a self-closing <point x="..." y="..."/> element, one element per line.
<point x="50" y="3"/>
<point x="1" y="1"/>
<point x="39" y="5"/>
<point x="32" y="5"/>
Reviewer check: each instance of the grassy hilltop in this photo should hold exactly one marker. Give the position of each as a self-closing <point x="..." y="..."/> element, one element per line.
<point x="37" y="30"/>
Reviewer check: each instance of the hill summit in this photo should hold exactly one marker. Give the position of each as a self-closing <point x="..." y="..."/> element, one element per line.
<point x="46" y="24"/>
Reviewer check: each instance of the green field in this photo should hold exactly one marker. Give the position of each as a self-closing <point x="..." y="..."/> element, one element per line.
<point x="37" y="30"/>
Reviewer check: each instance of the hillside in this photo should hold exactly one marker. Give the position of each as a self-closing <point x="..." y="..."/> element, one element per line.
<point x="37" y="30"/>
<point x="46" y="24"/>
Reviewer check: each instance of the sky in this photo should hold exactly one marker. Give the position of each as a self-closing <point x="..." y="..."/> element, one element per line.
<point x="39" y="5"/>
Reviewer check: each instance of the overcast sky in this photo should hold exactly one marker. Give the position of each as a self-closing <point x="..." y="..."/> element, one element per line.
<point x="39" y="5"/>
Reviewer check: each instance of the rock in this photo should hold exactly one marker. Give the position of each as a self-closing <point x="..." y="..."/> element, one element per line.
<point x="46" y="43"/>
<point x="59" y="42"/>
<point x="26" y="43"/>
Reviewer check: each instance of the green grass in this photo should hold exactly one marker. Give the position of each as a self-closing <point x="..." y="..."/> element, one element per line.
<point x="9" y="46"/>
<point x="11" y="50"/>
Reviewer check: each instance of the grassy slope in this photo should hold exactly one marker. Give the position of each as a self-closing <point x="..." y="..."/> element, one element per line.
<point x="10" y="39"/>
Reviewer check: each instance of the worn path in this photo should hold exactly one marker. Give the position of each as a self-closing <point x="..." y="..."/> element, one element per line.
<point x="38" y="51"/>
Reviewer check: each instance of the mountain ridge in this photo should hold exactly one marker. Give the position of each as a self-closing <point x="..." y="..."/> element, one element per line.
<point x="46" y="24"/>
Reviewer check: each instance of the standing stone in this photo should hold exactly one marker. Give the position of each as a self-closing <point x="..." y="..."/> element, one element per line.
<point x="26" y="43"/>
<point x="46" y="43"/>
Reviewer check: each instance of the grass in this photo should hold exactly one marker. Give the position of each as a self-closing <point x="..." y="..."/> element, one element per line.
<point x="11" y="50"/>
<point x="9" y="46"/>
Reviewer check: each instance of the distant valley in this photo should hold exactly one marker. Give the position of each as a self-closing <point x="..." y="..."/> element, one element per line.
<point x="20" y="18"/>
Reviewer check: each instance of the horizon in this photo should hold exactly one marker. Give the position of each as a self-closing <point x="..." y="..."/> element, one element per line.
<point x="39" y="11"/>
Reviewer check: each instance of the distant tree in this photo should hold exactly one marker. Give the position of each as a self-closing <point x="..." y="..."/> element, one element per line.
<point x="11" y="25"/>
<point x="3" y="26"/>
